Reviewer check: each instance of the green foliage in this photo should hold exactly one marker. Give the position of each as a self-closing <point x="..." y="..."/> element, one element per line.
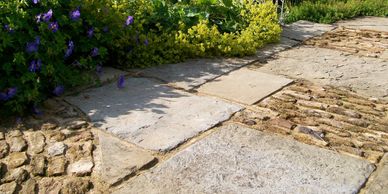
<point x="163" y="31"/>
<point x="329" y="11"/>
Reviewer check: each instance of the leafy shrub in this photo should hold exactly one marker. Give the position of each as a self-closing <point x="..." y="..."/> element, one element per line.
<point x="329" y="11"/>
<point x="47" y="47"/>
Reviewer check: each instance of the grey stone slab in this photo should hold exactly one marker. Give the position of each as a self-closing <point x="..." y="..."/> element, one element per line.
<point x="151" y="115"/>
<point x="366" y="23"/>
<point x="195" y="72"/>
<point x="118" y="159"/>
<point x="378" y="183"/>
<point x="271" y="49"/>
<point x="365" y="75"/>
<point x="236" y="159"/>
<point x="303" y="30"/>
<point x="245" y="85"/>
<point x="110" y="73"/>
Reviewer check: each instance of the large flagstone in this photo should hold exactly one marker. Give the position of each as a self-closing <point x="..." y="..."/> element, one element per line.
<point x="245" y="86"/>
<point x="366" y="23"/>
<point x="303" y="30"/>
<point x="237" y="159"/>
<point x="151" y="115"/>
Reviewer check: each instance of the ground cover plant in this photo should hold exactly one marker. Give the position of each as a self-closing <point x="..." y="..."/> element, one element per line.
<point x="329" y="11"/>
<point x="48" y="47"/>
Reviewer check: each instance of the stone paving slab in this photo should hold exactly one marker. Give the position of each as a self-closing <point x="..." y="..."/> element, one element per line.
<point x="194" y="72"/>
<point x="271" y="49"/>
<point x="303" y="30"/>
<point x="151" y="115"/>
<point x="119" y="160"/>
<point x="366" y="23"/>
<point x="366" y="75"/>
<point x="245" y="86"/>
<point x="378" y="184"/>
<point x="237" y="159"/>
<point x="110" y="73"/>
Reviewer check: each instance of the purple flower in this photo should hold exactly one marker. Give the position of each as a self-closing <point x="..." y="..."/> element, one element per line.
<point x="47" y="16"/>
<point x="75" y="15"/>
<point x="38" y="18"/>
<point x="129" y="21"/>
<point x="33" y="46"/>
<point x="120" y="82"/>
<point x="146" y="42"/>
<point x="53" y="26"/>
<point x="10" y="93"/>
<point x="95" y="52"/>
<point x="58" y="90"/>
<point x="35" y="1"/>
<point x="90" y="32"/>
<point x="70" y="48"/>
<point x="8" y="28"/>
<point x="35" y="65"/>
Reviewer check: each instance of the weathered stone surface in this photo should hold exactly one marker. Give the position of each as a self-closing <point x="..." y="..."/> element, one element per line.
<point x="37" y="164"/>
<point x="17" y="144"/>
<point x="76" y="124"/>
<point x="271" y="49"/>
<point x="2" y="137"/>
<point x="109" y="74"/>
<point x="303" y="30"/>
<point x="56" y="166"/>
<point x="49" y="185"/>
<point x="73" y="185"/>
<point x="151" y="115"/>
<point x="8" y="188"/>
<point x="79" y="151"/>
<point x="36" y="142"/>
<point x="30" y="187"/>
<point x="16" y="159"/>
<point x="364" y="75"/>
<point x="195" y="72"/>
<point x="241" y="160"/>
<point x="4" y="149"/>
<point x="366" y="23"/>
<point x="17" y="175"/>
<point x="48" y="126"/>
<point x="55" y="136"/>
<point x="378" y="183"/>
<point x="119" y="160"/>
<point x="56" y="149"/>
<point x="81" y="168"/>
<point x="245" y="86"/>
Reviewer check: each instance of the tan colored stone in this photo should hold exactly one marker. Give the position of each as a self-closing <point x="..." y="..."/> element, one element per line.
<point x="77" y="124"/>
<point x="17" y="175"/>
<point x="282" y="123"/>
<point x="2" y="137"/>
<point x="298" y="95"/>
<point x="15" y="133"/>
<point x="56" y="166"/>
<point x="55" y="136"/>
<point x="373" y="156"/>
<point x="16" y="159"/>
<point x="8" y="188"/>
<point x="36" y="142"/>
<point x="79" y="151"/>
<point x="81" y="168"/>
<point x="48" y="126"/>
<point x="50" y="185"/>
<point x="30" y="187"/>
<point x="73" y="185"/>
<point x="57" y="149"/>
<point x="17" y="144"/>
<point x="312" y="104"/>
<point x="37" y="165"/>
<point x="349" y="150"/>
<point x="336" y="140"/>
<point x="342" y="111"/>
<point x="4" y="149"/>
<point x="83" y="136"/>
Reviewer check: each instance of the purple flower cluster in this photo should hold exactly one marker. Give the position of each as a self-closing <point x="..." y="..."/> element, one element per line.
<point x="75" y="14"/>
<point x="54" y="26"/>
<point x="70" y="48"/>
<point x="47" y="16"/>
<point x="10" y="93"/>
<point x="95" y="52"/>
<point x="35" y="65"/>
<point x="32" y="47"/>
<point x="8" y="28"/>
<point x="59" y="90"/>
<point x="90" y="32"/>
<point x="35" y="1"/>
<point x="129" y="20"/>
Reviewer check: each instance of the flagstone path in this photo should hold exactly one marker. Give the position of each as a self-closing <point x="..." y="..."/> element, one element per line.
<point x="196" y="127"/>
